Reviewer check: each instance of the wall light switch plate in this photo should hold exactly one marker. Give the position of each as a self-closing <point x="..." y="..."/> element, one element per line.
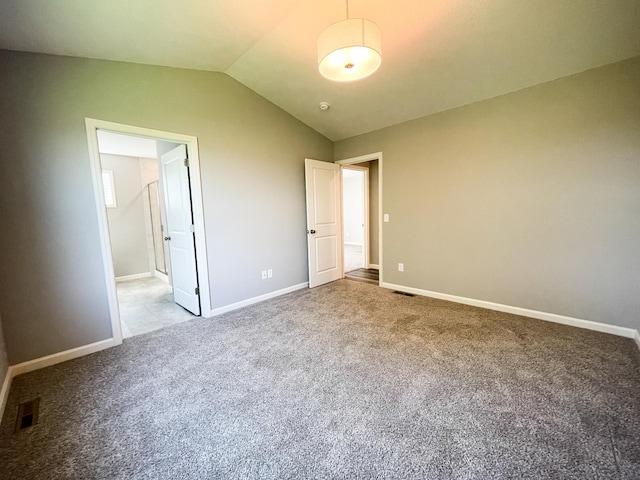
<point x="401" y="267"/>
<point x="264" y="274"/>
<point x="386" y="217"/>
<point x="269" y="273"/>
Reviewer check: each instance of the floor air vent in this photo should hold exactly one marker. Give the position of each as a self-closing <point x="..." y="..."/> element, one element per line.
<point x="27" y="414"/>
<point x="404" y="293"/>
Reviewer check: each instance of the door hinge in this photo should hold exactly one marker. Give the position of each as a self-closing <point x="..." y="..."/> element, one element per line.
<point x="186" y="162"/>
<point x="192" y="228"/>
<point x="197" y="291"/>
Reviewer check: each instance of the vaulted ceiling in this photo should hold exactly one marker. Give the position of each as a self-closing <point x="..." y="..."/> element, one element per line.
<point x="437" y="54"/>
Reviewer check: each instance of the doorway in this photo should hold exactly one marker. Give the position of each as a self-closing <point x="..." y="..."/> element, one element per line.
<point x="133" y="170"/>
<point x="136" y="255"/>
<point x="355" y="217"/>
<point x="361" y="200"/>
<point x="325" y="229"/>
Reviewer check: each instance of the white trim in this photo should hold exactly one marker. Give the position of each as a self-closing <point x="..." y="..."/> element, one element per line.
<point x="135" y="276"/>
<point x="260" y="298"/>
<point x="103" y="228"/>
<point x="162" y="276"/>
<point x="636" y="337"/>
<point x="4" y="393"/>
<point x="92" y="126"/>
<point x="366" y="213"/>
<point x="374" y="266"/>
<point x="42" y="362"/>
<point x="368" y="158"/>
<point x="549" y="317"/>
<point x="361" y="159"/>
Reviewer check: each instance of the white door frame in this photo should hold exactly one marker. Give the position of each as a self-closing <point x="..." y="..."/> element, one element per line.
<point x="92" y="126"/>
<point x="366" y="213"/>
<point x="367" y="158"/>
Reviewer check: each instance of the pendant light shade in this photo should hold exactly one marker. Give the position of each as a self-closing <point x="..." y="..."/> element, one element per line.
<point x="349" y="50"/>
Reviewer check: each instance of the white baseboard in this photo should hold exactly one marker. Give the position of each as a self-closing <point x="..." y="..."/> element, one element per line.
<point x="135" y="276"/>
<point x="60" y="357"/>
<point x="550" y="317"/>
<point x="261" y="298"/>
<point x="374" y="266"/>
<point x="38" y="363"/>
<point x="637" y="338"/>
<point x="4" y="393"/>
<point x="162" y="276"/>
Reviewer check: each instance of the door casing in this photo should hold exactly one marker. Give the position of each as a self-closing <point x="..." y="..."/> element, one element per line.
<point x="366" y="221"/>
<point x="362" y="159"/>
<point x="92" y="125"/>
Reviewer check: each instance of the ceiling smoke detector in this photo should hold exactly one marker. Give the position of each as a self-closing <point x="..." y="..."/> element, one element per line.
<point x="324" y="106"/>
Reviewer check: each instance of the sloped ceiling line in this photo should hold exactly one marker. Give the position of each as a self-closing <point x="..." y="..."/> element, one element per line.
<point x="437" y="55"/>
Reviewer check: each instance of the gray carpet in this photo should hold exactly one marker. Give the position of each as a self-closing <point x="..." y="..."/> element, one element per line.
<point x="342" y="381"/>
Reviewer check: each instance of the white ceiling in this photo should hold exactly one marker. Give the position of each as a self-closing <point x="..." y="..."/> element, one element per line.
<point x="127" y="145"/>
<point x="437" y="54"/>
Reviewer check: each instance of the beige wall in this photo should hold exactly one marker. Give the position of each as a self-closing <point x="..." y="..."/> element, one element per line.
<point x="531" y="199"/>
<point x="252" y="165"/>
<point x="127" y="221"/>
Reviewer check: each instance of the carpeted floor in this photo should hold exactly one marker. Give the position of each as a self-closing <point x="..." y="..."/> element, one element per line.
<point x="347" y="380"/>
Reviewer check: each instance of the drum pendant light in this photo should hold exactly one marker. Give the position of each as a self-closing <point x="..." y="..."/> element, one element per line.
<point x="349" y="50"/>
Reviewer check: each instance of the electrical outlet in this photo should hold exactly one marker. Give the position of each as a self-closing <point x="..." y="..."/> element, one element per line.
<point x="264" y="274"/>
<point x="269" y="273"/>
<point x="401" y="267"/>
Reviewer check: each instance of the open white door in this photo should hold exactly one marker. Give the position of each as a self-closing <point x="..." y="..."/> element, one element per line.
<point x="179" y="233"/>
<point x="324" y="222"/>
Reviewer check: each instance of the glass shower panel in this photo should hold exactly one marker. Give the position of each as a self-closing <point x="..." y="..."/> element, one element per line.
<point x="156" y="226"/>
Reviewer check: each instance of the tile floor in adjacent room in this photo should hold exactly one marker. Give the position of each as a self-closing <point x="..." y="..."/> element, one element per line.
<point x="146" y="304"/>
<point x="353" y="257"/>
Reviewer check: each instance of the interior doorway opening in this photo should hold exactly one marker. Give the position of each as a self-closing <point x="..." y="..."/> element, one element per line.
<point x="140" y="199"/>
<point x="361" y="212"/>
<point x="355" y="217"/>
<point x="134" y="177"/>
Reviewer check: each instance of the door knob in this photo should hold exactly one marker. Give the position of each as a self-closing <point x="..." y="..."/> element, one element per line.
<point x="312" y="232"/>
<point x="166" y="239"/>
